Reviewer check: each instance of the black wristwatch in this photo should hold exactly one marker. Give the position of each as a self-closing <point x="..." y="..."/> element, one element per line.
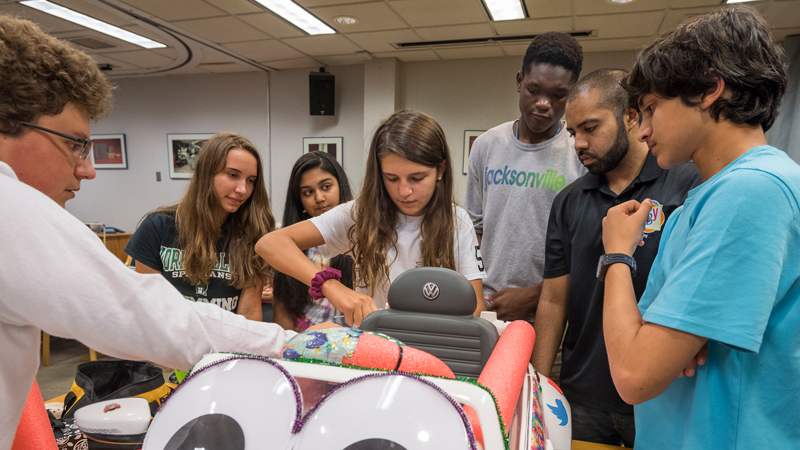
<point x="613" y="258"/>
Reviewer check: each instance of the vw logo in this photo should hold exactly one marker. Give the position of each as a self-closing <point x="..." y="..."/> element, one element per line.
<point x="430" y="291"/>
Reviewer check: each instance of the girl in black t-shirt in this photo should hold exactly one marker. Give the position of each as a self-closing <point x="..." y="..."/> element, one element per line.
<point x="204" y="245"/>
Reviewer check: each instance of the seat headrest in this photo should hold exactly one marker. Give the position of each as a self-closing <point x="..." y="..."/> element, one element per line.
<point x="432" y="290"/>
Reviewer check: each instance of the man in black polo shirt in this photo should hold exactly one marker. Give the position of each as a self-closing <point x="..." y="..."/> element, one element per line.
<point x="620" y="169"/>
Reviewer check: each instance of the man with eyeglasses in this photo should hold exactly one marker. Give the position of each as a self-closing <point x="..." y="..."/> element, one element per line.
<point x="55" y="275"/>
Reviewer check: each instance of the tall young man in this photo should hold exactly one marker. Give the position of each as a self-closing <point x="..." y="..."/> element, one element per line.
<point x="605" y="128"/>
<point x="515" y="171"/>
<point x="55" y="275"/>
<point x="728" y="270"/>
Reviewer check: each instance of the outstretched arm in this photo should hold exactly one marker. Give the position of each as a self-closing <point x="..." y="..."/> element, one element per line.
<point x="283" y="250"/>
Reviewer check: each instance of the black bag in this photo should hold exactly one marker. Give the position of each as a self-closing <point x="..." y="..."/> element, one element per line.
<point x="98" y="381"/>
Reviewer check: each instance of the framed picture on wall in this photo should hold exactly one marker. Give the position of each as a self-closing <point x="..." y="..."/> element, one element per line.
<point x="183" y="150"/>
<point x="109" y="151"/>
<point x="333" y="146"/>
<point x="469" y="139"/>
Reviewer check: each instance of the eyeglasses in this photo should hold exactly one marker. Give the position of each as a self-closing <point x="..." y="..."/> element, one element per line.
<point x="86" y="144"/>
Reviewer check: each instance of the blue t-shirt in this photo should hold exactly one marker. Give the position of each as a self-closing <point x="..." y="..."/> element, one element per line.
<point x="729" y="269"/>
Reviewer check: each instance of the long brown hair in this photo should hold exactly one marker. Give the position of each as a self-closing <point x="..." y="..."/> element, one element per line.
<point x="418" y="138"/>
<point x="198" y="230"/>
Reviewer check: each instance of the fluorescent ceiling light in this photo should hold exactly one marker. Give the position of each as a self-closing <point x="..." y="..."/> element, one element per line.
<point x="505" y="9"/>
<point x="740" y="1"/>
<point x="297" y="16"/>
<point x="94" y="24"/>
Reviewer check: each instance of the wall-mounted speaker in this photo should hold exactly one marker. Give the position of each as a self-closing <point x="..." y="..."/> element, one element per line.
<point x="321" y="87"/>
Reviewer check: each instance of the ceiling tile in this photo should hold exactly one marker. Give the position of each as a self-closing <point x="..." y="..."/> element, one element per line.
<point x="477" y="51"/>
<point x="340" y="60"/>
<point x="676" y="16"/>
<point x="622" y="25"/>
<point x="295" y="63"/>
<point x="176" y="9"/>
<point x="612" y="45"/>
<point x="371" y="17"/>
<point x="323" y="45"/>
<point x="226" y="68"/>
<point x="235" y="6"/>
<point x="380" y="41"/>
<point x="514" y="48"/>
<point x="211" y="56"/>
<point x="170" y="53"/>
<point x="540" y="9"/>
<point x="532" y="26"/>
<point x="410" y="55"/>
<point x="272" y="25"/>
<point x="271" y="50"/>
<point x="97" y="12"/>
<point x="782" y="14"/>
<point x="142" y="58"/>
<point x="222" y="29"/>
<point x="591" y="7"/>
<point x="150" y="33"/>
<point x="117" y="44"/>
<point x="478" y="30"/>
<point x="425" y="13"/>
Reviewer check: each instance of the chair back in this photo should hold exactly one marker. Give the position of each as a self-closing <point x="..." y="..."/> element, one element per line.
<point x="431" y="310"/>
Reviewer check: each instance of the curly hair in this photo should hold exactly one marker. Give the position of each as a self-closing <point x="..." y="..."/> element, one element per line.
<point x="41" y="75"/>
<point x="557" y="49"/>
<point x="734" y="43"/>
<point x="418" y="138"/>
<point x="198" y="229"/>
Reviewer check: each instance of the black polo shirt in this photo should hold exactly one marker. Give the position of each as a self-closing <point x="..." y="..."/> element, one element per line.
<point x="574" y="245"/>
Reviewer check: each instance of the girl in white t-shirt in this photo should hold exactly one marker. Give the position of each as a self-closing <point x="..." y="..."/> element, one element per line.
<point x="404" y="218"/>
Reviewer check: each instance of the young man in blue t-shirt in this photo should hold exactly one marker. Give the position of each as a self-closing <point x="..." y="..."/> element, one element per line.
<point x="727" y="275"/>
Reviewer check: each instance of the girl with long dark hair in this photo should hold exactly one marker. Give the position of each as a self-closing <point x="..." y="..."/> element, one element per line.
<point x="403" y="218"/>
<point x="317" y="184"/>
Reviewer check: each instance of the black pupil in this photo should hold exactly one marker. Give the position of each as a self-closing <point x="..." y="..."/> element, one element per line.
<point x="211" y="432"/>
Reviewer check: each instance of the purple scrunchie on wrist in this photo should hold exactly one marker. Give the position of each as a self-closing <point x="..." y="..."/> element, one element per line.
<point x="321" y="277"/>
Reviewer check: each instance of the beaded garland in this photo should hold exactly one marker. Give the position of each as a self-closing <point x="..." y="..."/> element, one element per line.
<point x="300" y="420"/>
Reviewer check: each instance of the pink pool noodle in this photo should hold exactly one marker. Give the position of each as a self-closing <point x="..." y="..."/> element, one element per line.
<point x="34" y="431"/>
<point x="505" y="370"/>
<point x="378" y="353"/>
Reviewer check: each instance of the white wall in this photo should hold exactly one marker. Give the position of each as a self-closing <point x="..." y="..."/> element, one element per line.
<point x="291" y="122"/>
<point x="272" y="110"/>
<point x="145" y="110"/>
<point x="476" y="94"/>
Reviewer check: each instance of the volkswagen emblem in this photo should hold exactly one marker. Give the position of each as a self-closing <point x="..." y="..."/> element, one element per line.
<point x="430" y="291"/>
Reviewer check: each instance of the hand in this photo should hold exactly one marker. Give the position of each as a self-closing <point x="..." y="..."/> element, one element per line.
<point x="322" y="326"/>
<point x="623" y="226"/>
<point x="266" y="294"/>
<point x="355" y="306"/>
<point x="515" y="303"/>
<point x="699" y="360"/>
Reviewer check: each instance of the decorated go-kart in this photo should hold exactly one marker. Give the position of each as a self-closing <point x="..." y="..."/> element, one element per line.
<point x="345" y="389"/>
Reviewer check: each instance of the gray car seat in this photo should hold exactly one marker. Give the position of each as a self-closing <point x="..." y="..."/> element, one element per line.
<point x="431" y="310"/>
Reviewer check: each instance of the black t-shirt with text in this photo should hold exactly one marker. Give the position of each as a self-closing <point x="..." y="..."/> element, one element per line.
<point x="155" y="244"/>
